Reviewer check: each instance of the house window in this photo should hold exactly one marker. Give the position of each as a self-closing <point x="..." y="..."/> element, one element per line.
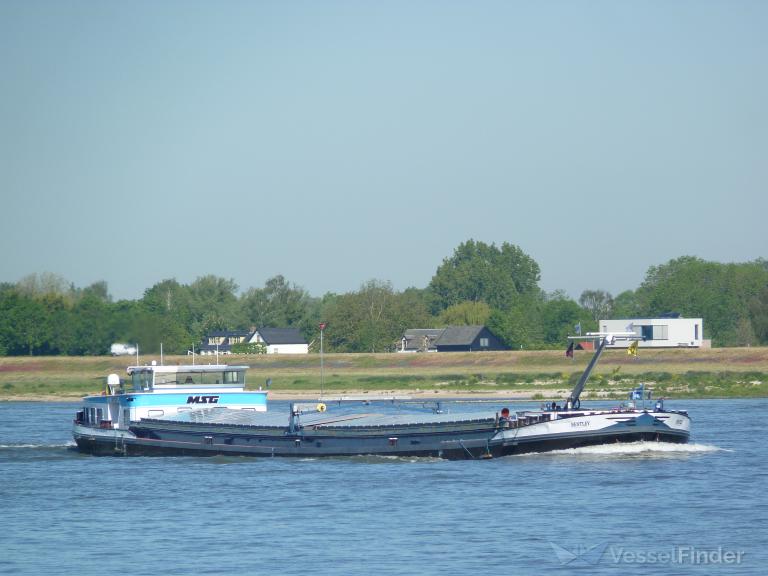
<point x="695" y="331"/>
<point x="483" y="342"/>
<point x="655" y="332"/>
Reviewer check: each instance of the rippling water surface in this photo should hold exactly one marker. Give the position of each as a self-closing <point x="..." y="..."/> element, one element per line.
<point x="640" y="508"/>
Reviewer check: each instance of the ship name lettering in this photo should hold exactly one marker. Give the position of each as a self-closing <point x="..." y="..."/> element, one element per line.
<point x="202" y="399"/>
<point x="580" y="423"/>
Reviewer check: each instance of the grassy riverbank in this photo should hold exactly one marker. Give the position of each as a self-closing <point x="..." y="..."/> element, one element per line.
<point x="721" y="372"/>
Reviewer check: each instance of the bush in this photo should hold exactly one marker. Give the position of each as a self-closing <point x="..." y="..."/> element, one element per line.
<point x="249" y="348"/>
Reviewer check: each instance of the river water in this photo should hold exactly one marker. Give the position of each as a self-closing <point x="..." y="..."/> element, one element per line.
<point x="700" y="508"/>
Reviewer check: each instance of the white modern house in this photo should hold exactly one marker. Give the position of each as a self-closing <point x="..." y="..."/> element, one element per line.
<point x="663" y="332"/>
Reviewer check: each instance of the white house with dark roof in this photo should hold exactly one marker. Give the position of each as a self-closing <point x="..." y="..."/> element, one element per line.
<point x="275" y="340"/>
<point x="450" y="339"/>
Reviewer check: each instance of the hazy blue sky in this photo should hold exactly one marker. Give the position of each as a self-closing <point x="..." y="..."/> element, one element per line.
<point x="336" y="142"/>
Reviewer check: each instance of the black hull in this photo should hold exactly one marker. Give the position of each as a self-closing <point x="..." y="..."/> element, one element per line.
<point x="99" y="447"/>
<point x="314" y="447"/>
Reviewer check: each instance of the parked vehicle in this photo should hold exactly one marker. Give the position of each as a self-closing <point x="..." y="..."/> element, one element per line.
<point x="120" y="349"/>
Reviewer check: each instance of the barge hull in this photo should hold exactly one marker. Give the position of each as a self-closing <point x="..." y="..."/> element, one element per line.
<point x="570" y="443"/>
<point x="482" y="444"/>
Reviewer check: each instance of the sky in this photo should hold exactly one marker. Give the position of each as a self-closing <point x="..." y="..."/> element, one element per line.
<point x="336" y="142"/>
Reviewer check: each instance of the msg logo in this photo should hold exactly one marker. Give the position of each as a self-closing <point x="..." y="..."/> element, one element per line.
<point x="202" y="399"/>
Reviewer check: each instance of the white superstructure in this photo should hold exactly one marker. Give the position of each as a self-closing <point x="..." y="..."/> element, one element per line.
<point x="158" y="391"/>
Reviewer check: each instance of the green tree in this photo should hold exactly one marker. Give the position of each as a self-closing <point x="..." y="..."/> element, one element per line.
<point x="341" y="314"/>
<point x="598" y="303"/>
<point x="168" y="298"/>
<point x="409" y="310"/>
<point x="721" y="294"/>
<point x="47" y="283"/>
<point x="213" y="304"/>
<point x="11" y="303"/>
<point x="627" y="305"/>
<point x="521" y="326"/>
<point x="478" y="272"/>
<point x="374" y="318"/>
<point x="178" y="316"/>
<point x="279" y="304"/>
<point x="758" y="311"/>
<point x="99" y="290"/>
<point x="166" y="316"/>
<point x="30" y="324"/>
<point x="62" y="319"/>
<point x="91" y="326"/>
<point x="375" y="302"/>
<point x="8" y="297"/>
<point x="559" y="316"/>
<point x="465" y="314"/>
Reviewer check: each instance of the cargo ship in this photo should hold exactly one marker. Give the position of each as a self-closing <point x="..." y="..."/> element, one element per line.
<point x="206" y="411"/>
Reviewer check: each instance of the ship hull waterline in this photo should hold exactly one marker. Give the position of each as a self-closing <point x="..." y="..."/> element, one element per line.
<point x="490" y="443"/>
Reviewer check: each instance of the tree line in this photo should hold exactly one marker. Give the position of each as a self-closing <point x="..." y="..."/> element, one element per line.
<point x="479" y="284"/>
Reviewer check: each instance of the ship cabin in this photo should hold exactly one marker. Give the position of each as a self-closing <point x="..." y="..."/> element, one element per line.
<point x="162" y="391"/>
<point x="174" y="378"/>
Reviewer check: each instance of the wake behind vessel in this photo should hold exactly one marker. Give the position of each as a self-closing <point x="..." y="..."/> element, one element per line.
<point x="311" y="430"/>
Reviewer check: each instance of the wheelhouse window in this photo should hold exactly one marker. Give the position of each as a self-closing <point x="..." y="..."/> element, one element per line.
<point x="197" y="378"/>
<point x="234" y="377"/>
<point x="142" y="380"/>
<point x="179" y="378"/>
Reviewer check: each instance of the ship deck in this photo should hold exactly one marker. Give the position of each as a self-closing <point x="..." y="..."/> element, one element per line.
<point x="332" y="420"/>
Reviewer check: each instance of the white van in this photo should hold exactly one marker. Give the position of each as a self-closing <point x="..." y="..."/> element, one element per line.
<point x="119" y="349"/>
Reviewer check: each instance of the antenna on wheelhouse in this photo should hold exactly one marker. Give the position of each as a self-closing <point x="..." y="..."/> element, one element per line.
<point x="137" y="354"/>
<point x="161" y="354"/>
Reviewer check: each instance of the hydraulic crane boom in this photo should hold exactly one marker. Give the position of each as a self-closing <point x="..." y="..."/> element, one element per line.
<point x="604" y="338"/>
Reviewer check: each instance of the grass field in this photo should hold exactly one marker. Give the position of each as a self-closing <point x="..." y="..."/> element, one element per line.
<point x="720" y="372"/>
